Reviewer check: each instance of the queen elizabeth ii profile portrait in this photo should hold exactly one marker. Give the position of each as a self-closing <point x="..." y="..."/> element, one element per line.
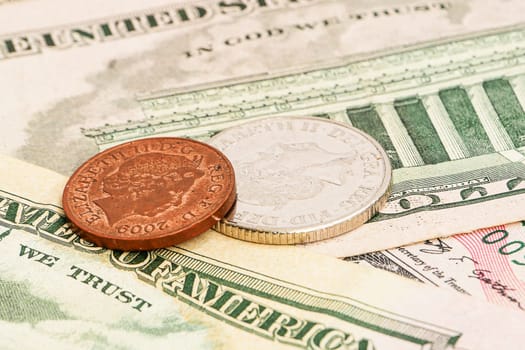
<point x="147" y="185"/>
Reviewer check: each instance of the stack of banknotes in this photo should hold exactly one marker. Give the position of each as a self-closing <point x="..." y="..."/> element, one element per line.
<point x="439" y="84"/>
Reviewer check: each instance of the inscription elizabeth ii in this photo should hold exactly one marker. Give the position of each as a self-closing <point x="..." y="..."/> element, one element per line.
<point x="150" y="193"/>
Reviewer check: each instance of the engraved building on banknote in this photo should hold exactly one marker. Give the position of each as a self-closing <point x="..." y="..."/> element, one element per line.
<point x="449" y="114"/>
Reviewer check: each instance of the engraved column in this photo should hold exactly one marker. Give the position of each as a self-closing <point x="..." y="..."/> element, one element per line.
<point x="489" y="118"/>
<point x="340" y="116"/>
<point x="405" y="148"/>
<point x="445" y="129"/>
<point x="518" y="85"/>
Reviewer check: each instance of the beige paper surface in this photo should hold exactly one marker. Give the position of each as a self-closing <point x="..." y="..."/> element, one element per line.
<point x="211" y="292"/>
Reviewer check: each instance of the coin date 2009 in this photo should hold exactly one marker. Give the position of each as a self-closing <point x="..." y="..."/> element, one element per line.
<point x="138" y="229"/>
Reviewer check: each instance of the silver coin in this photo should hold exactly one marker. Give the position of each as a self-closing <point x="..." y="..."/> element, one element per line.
<point x="302" y="179"/>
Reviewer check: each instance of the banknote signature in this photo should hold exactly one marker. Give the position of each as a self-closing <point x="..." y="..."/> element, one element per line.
<point x="496" y="285"/>
<point x="438" y="247"/>
<point x="463" y="259"/>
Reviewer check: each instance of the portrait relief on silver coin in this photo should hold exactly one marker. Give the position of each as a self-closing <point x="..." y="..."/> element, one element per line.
<point x="301" y="179"/>
<point x="285" y="172"/>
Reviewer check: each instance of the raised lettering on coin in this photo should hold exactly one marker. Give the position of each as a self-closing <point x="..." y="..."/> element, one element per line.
<point x="150" y="193"/>
<point x="302" y="179"/>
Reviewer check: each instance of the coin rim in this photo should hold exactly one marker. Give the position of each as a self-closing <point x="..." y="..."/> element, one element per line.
<point x="319" y="231"/>
<point x="168" y="239"/>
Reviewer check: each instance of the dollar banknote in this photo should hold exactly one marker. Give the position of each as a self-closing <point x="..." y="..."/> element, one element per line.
<point x="487" y="263"/>
<point x="98" y="62"/>
<point x="449" y="114"/>
<point x="213" y="292"/>
<point x="445" y="104"/>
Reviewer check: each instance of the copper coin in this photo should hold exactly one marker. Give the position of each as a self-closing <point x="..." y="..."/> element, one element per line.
<point x="150" y="193"/>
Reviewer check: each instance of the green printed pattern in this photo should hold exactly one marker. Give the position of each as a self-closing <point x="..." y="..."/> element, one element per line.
<point x="509" y="110"/>
<point x="452" y="66"/>
<point x="465" y="120"/>
<point x="212" y="286"/>
<point x="455" y="80"/>
<point x="298" y="297"/>
<point x="368" y="120"/>
<point x="458" y="106"/>
<point x="20" y="305"/>
<point x="420" y="128"/>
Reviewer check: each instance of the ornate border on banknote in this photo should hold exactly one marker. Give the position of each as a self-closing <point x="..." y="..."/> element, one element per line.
<point x="228" y="292"/>
<point x="449" y="114"/>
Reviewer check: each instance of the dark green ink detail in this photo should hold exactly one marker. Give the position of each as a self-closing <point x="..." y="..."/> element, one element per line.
<point x="318" y="337"/>
<point x="283" y="327"/>
<point x="152" y="21"/>
<point x="56" y="225"/>
<point x="240" y="308"/>
<point x="5" y="234"/>
<point x="512" y="184"/>
<point x="381" y="260"/>
<point x="367" y="120"/>
<point x="223" y="299"/>
<point x="183" y="15"/>
<point x="345" y="311"/>
<point x="34" y="215"/>
<point x="420" y="128"/>
<point x="132" y="258"/>
<point x="374" y="325"/>
<point x="500" y="235"/>
<point x="508" y="108"/>
<point x="435" y="199"/>
<point x="270" y="320"/>
<point x="189" y="282"/>
<point x="211" y="292"/>
<point x="304" y="330"/>
<point x="10" y="46"/>
<point x="19" y="305"/>
<point x="466" y="121"/>
<point x="106" y="30"/>
<point x="152" y="265"/>
<point x="129" y="25"/>
<point x="48" y="40"/>
<point x="404" y="203"/>
<point x="365" y="345"/>
<point x="466" y="193"/>
<point x="12" y="211"/>
<point x="481" y="199"/>
<point x="16" y="215"/>
<point x="84" y="34"/>
<point x="302" y="298"/>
